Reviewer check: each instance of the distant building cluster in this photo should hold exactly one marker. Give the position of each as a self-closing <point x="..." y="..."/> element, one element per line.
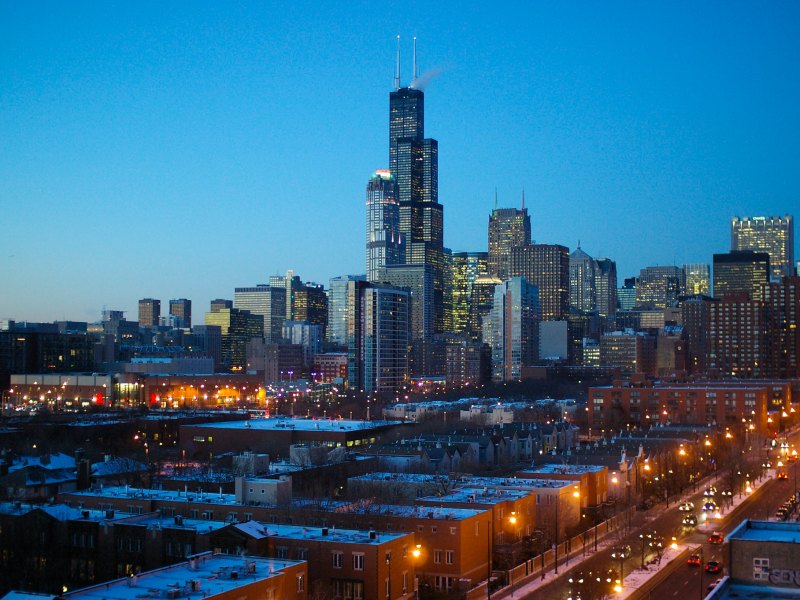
<point x="423" y="311"/>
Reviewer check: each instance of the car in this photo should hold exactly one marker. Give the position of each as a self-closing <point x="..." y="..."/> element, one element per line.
<point x="710" y="506"/>
<point x="690" y="521"/>
<point x="712" y="585"/>
<point x="686" y="507"/>
<point x="712" y="566"/>
<point x="694" y="560"/>
<point x="791" y="457"/>
<point x="783" y="476"/>
<point x="710" y="491"/>
<point x="716" y="538"/>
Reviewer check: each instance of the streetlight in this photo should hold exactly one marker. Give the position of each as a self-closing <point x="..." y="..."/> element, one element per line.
<point x="575" y="494"/>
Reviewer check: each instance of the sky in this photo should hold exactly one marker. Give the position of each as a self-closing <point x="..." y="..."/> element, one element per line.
<point x="182" y="149"/>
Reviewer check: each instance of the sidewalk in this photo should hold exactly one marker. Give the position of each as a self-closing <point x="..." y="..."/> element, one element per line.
<point x="535" y="580"/>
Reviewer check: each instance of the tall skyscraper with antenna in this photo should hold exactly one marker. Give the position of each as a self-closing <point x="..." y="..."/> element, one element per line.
<point x="414" y="163"/>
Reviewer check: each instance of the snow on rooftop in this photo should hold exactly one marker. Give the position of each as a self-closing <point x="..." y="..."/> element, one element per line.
<point x="564" y="469"/>
<point x="280" y="423"/>
<point x="766" y="531"/>
<point x="213" y="574"/>
<point x="260" y="530"/>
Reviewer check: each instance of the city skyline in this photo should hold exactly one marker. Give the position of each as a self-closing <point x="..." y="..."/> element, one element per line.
<point x="173" y="155"/>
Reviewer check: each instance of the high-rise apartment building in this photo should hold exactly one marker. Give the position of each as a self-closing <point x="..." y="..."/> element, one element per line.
<point x="514" y="328"/>
<point x="267" y="301"/>
<point x="547" y="267"/>
<point x="336" y="332"/>
<point x="508" y="228"/>
<point x="149" y="312"/>
<point x="467" y="266"/>
<point x="698" y="279"/>
<point x="413" y="162"/>
<point x="737" y="273"/>
<point x="182" y="310"/>
<point x="384" y="241"/>
<point x="782" y="302"/>
<point x="773" y="235"/>
<point x="737" y="338"/>
<point x="659" y="287"/>
<point x="377" y="332"/>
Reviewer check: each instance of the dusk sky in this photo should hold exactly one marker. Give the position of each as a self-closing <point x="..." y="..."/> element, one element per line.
<point x="181" y="149"/>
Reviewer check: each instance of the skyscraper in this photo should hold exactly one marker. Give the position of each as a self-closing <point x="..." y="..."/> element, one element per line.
<point x="773" y="235"/>
<point x="582" y="291"/>
<point x="508" y="228"/>
<point x="237" y="327"/>
<point x="384" y="241"/>
<point x="547" y="267"/>
<point x="336" y="332"/>
<point x="267" y="301"/>
<point x="740" y="273"/>
<point x="149" y="312"/>
<point x="698" y="279"/>
<point x="606" y="287"/>
<point x="377" y="333"/>
<point x="513" y="328"/>
<point x="182" y="309"/>
<point x="659" y="287"/>
<point x="413" y="161"/>
<point x="467" y="266"/>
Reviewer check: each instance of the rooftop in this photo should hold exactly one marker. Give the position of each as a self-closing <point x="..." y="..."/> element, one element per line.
<point x="766" y="531"/>
<point x="348" y="536"/>
<point x="564" y="469"/>
<point x="278" y="423"/>
<point x="212" y="574"/>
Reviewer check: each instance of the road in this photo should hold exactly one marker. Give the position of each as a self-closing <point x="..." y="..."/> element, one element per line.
<point x="685" y="582"/>
<point x="691" y="582"/>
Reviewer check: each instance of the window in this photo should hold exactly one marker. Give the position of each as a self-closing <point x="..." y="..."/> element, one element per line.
<point x="301" y="583"/>
<point x="761" y="569"/>
<point x="358" y="561"/>
<point x="358" y="590"/>
<point x="437" y="556"/>
<point x="283" y="551"/>
<point x="388" y="592"/>
<point x="302" y="554"/>
<point x="405" y="582"/>
<point x="452" y="531"/>
<point x="337" y="559"/>
<point x="434" y="529"/>
<point x="448" y="557"/>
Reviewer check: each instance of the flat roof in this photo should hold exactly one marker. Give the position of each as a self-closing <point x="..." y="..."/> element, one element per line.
<point x="283" y="423"/>
<point x="124" y="491"/>
<point x="560" y="469"/>
<point x="259" y="529"/>
<point x="766" y="531"/>
<point x="479" y="496"/>
<point x="214" y="574"/>
<point x="754" y="592"/>
<point x="468" y="481"/>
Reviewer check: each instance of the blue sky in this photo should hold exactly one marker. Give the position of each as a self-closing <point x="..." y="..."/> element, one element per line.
<point x="181" y="149"/>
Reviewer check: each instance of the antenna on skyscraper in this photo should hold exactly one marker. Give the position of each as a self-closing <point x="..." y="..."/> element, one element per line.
<point x="414" y="73"/>
<point x="397" y="69"/>
<point x="495" y="198"/>
<point x="523" y="198"/>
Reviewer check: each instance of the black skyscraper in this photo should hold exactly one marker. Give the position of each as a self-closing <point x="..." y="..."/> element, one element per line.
<point x="414" y="162"/>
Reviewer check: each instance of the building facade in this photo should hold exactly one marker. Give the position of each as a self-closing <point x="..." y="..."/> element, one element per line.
<point x="547" y="267"/>
<point x="773" y="235"/>
<point x="508" y="228"/>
